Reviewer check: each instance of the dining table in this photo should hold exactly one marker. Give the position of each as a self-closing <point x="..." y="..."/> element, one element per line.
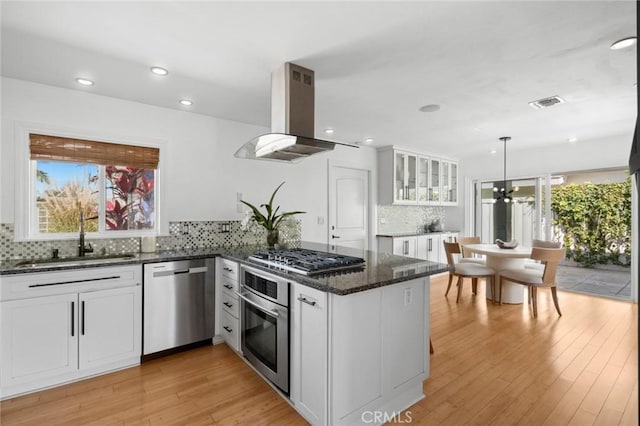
<point x="500" y="259"/>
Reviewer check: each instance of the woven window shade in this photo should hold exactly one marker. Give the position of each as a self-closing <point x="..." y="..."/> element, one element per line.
<point x="55" y="148"/>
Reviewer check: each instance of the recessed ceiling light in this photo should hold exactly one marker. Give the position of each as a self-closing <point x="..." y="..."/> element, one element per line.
<point x="368" y="141"/>
<point x="159" y="71"/>
<point x="493" y="151"/>
<point x="186" y="102"/>
<point x="625" y="42"/>
<point x="429" y="108"/>
<point x="328" y="131"/>
<point x="84" y="81"/>
<point x="573" y="139"/>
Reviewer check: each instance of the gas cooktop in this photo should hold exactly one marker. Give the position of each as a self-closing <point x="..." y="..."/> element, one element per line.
<point x="307" y="262"/>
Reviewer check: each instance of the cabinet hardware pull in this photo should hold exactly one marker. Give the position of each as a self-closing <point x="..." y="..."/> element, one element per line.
<point x="227" y="269"/>
<point x="307" y="301"/>
<point x="228" y="305"/>
<point x="82" y="331"/>
<point x="73" y="319"/>
<point x="406" y="247"/>
<point x="227" y="286"/>
<point x="229" y="330"/>
<point x="117" y="277"/>
<point x="430" y="244"/>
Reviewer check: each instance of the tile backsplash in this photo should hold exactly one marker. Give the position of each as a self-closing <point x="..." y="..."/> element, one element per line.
<point x="398" y="219"/>
<point x="182" y="235"/>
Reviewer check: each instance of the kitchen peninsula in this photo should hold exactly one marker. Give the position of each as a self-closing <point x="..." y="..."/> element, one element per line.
<point x="358" y="338"/>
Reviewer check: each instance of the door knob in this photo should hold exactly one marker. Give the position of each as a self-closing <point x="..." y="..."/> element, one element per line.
<point x="335" y="236"/>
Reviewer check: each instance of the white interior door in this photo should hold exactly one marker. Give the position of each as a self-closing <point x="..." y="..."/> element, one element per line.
<point x="349" y="207"/>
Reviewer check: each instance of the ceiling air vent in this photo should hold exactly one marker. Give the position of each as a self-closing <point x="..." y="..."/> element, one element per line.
<point x="546" y="102"/>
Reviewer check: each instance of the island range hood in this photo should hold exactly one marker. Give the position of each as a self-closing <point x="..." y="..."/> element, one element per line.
<point x="292" y="136"/>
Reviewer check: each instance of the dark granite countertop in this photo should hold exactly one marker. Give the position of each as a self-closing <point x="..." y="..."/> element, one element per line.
<point x="381" y="269"/>
<point x="411" y="234"/>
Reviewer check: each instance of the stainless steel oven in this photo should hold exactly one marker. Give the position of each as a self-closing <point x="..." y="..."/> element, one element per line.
<point x="264" y="307"/>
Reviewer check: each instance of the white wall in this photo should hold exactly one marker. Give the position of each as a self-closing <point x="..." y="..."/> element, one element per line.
<point x="201" y="177"/>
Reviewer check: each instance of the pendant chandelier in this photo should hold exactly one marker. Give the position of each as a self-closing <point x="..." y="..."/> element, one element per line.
<point x="502" y="192"/>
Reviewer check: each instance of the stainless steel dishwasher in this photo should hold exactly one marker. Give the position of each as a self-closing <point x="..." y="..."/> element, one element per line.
<point x="178" y="306"/>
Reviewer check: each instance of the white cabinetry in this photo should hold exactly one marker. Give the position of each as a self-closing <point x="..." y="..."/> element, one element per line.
<point x="110" y="321"/>
<point x="449" y="183"/>
<point x="401" y="246"/>
<point x="405" y="246"/>
<point x="358" y="353"/>
<point x="66" y="325"/>
<point x="228" y="302"/>
<point x="428" y="247"/>
<point x="309" y="353"/>
<point x="425" y="246"/>
<point x="416" y="179"/>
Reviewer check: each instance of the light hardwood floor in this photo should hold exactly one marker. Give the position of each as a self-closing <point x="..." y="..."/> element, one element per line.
<point x="492" y="365"/>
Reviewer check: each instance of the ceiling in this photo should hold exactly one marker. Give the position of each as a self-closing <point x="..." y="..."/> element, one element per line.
<point x="376" y="64"/>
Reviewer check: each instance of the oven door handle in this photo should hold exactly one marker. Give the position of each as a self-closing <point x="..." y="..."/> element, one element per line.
<point x="257" y="305"/>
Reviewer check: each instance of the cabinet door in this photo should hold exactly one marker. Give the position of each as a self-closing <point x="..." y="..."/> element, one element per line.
<point x="433" y="247"/>
<point x="39" y="338"/>
<point x="445" y="182"/>
<point x="405" y="246"/>
<point x="110" y="326"/>
<point x="231" y="330"/>
<point x="405" y="178"/>
<point x="422" y="247"/>
<point x="309" y="353"/>
<point x="453" y="187"/>
<point x="434" y="181"/>
<point x="423" y="179"/>
<point x="404" y="330"/>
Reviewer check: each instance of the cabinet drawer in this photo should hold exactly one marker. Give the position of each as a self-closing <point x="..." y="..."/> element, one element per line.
<point x="229" y="285"/>
<point x="231" y="304"/>
<point x="38" y="284"/>
<point x="229" y="269"/>
<point x="231" y="330"/>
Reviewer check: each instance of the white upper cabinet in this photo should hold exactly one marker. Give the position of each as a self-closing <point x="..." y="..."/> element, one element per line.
<point x="449" y="183"/>
<point x="416" y="179"/>
<point x="405" y="166"/>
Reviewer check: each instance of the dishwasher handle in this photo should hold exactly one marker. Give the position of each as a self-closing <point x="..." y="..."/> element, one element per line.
<point x="196" y="270"/>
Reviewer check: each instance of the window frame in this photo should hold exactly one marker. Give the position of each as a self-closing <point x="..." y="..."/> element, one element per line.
<point x="26" y="211"/>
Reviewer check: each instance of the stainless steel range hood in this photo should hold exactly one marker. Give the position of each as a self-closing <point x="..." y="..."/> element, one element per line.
<point x="292" y="120"/>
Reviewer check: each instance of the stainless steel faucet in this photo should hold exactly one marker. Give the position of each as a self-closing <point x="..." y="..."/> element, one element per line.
<point x="82" y="248"/>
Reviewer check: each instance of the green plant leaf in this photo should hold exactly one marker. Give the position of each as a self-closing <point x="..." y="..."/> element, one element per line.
<point x="271" y="220"/>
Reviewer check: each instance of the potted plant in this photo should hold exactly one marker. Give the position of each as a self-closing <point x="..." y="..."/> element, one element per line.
<point x="271" y="220"/>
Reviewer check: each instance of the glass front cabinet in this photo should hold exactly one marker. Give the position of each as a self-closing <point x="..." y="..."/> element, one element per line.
<point x="405" y="182"/>
<point x="416" y="179"/>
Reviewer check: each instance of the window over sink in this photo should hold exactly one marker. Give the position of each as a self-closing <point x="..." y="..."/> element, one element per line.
<point x="114" y="185"/>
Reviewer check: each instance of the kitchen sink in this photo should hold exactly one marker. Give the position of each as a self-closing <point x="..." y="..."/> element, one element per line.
<point x="70" y="261"/>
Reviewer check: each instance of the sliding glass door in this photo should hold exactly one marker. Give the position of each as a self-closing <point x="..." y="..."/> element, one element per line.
<point x="521" y="218"/>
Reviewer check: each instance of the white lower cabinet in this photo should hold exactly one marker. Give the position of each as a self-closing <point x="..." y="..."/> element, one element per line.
<point x="308" y="384"/>
<point x="77" y="326"/>
<point x="110" y="321"/>
<point x="228" y="303"/>
<point x="39" y="338"/>
<point x="359" y="354"/>
<point x="401" y="246"/>
<point x="231" y="330"/>
<point x="429" y="247"/>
